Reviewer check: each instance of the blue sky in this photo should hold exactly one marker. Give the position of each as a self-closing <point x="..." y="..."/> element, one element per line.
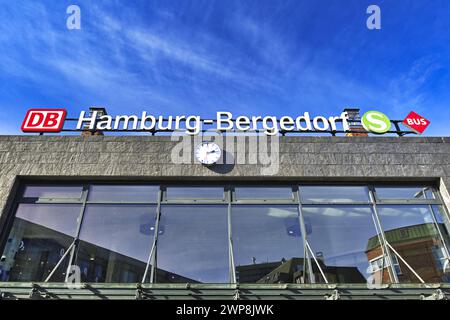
<point x="249" y="57"/>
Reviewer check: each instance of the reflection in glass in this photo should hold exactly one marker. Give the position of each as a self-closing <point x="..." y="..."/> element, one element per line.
<point x="177" y="193"/>
<point x="404" y="193"/>
<point x="267" y="243"/>
<point x="335" y="194"/>
<point x="338" y="237"/>
<point x="53" y="192"/>
<point x="124" y="193"/>
<point x="193" y="244"/>
<point x="443" y="222"/>
<point x="40" y="236"/>
<point x="115" y="242"/>
<point x="413" y="234"/>
<point x="265" y="193"/>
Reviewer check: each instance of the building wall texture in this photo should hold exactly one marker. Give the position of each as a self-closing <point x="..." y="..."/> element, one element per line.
<point x="149" y="158"/>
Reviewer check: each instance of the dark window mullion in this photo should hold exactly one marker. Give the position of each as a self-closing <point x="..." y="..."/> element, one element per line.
<point x="74" y="252"/>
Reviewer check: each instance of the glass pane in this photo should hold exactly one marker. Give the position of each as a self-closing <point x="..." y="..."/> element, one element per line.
<point x="193" y="245"/>
<point x="419" y="192"/>
<point x="115" y="242"/>
<point x="268" y="246"/>
<point x="190" y="193"/>
<point x="58" y="192"/>
<point x="443" y="222"/>
<point x="245" y="193"/>
<point x="123" y="193"/>
<point x="335" y="194"/>
<point x="40" y="236"/>
<point x="440" y="214"/>
<point x="339" y="237"/>
<point x="412" y="233"/>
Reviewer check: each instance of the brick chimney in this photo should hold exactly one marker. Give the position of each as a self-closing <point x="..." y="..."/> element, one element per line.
<point x="100" y="112"/>
<point x="354" y="122"/>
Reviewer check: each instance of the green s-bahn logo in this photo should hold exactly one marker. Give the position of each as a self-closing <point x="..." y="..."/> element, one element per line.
<point x="376" y="122"/>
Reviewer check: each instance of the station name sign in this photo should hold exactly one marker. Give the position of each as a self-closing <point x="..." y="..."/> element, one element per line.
<point x="224" y="121"/>
<point x="52" y="120"/>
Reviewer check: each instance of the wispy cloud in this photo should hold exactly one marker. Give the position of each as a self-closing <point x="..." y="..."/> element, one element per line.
<point x="408" y="89"/>
<point x="206" y="56"/>
<point x="104" y="67"/>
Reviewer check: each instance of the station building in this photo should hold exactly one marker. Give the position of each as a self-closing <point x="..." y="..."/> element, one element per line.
<point x="98" y="216"/>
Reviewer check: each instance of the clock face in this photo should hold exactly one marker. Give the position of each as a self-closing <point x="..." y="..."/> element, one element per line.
<point x="208" y="153"/>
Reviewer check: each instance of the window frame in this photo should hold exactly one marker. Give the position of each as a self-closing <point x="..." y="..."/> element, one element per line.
<point x="333" y="202"/>
<point x="150" y="202"/>
<point x="229" y="200"/>
<point x="292" y="200"/>
<point x="379" y="200"/>
<point x="165" y="200"/>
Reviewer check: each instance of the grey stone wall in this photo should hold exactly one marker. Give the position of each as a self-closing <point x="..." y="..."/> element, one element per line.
<point x="148" y="158"/>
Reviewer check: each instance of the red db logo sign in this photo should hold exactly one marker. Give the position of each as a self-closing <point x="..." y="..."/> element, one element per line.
<point x="44" y="120"/>
<point x="416" y="122"/>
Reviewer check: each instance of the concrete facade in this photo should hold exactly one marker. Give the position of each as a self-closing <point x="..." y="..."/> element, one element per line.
<point x="143" y="158"/>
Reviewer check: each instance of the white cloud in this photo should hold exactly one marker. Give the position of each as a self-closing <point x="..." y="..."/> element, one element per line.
<point x="281" y="213"/>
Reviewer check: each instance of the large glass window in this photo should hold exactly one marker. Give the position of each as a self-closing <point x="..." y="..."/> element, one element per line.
<point x="412" y="232"/>
<point x="338" y="236"/>
<point x="260" y="234"/>
<point x="193" y="244"/>
<point x="40" y="236"/>
<point x="115" y="242"/>
<point x="267" y="243"/>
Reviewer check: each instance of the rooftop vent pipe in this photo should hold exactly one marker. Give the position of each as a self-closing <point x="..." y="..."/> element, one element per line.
<point x="354" y="122"/>
<point x="86" y="131"/>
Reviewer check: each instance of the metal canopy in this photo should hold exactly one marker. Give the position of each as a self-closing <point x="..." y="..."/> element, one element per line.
<point x="16" y="291"/>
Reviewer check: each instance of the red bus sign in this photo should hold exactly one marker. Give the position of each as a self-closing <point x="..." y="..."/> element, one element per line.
<point x="416" y="122"/>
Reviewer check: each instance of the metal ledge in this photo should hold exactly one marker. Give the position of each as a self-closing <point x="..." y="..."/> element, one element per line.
<point x="111" y="291"/>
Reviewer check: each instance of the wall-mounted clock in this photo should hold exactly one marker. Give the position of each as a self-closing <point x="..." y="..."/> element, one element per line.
<point x="208" y="153"/>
